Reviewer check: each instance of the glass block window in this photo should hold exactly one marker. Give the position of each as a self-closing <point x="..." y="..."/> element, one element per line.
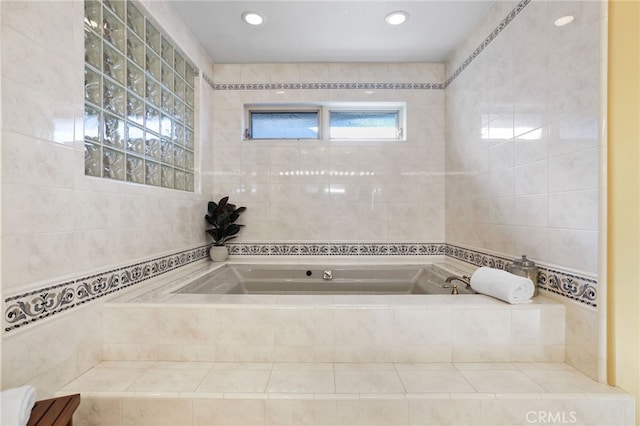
<point x="139" y="99"/>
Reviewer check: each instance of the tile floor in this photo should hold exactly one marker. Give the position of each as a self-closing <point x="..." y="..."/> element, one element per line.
<point x="317" y="380"/>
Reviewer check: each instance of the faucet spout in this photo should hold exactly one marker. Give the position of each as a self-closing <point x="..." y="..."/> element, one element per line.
<point x="466" y="280"/>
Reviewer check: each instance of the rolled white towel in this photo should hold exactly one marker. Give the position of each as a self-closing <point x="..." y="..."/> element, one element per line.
<point x="502" y="285"/>
<point x="16" y="405"/>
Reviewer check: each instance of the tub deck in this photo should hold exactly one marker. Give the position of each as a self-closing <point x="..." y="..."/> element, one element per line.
<point x="161" y="325"/>
<point x="225" y="359"/>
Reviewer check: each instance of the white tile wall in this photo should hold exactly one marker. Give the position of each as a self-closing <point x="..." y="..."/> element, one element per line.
<point x="522" y="147"/>
<point x="528" y="103"/>
<point x="56" y="222"/>
<point x="354" y="191"/>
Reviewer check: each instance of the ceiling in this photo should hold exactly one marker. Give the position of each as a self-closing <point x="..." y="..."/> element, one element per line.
<point x="330" y="31"/>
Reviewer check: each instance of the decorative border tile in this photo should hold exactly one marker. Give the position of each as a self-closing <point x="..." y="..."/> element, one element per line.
<point x="208" y="80"/>
<point x="26" y="308"/>
<point x="476" y="258"/>
<point x="574" y="287"/>
<point x="330" y="86"/>
<point x="496" y="31"/>
<point x="337" y="249"/>
<point x="579" y="288"/>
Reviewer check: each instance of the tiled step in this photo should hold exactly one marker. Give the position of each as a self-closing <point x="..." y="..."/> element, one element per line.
<point x="201" y="393"/>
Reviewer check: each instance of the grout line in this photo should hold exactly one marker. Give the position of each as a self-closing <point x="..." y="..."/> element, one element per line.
<point x="335" y="382"/>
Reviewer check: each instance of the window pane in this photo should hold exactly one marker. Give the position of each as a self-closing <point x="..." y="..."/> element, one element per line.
<point x="363" y="125"/>
<point x="284" y="125"/>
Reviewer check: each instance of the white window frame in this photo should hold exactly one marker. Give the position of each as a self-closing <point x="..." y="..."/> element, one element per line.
<point x="278" y="108"/>
<point x="324" y="110"/>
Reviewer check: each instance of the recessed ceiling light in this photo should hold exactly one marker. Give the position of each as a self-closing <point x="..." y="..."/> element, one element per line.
<point x="369" y="92"/>
<point x="396" y="18"/>
<point x="561" y="22"/>
<point x="252" y="18"/>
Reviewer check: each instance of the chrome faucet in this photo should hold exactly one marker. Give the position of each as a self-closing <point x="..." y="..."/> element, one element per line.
<point x="327" y="274"/>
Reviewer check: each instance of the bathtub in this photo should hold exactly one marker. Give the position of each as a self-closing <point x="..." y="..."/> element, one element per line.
<point x="284" y="312"/>
<point x="296" y="279"/>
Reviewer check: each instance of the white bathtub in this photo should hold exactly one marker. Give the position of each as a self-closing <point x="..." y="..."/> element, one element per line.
<point x="158" y="322"/>
<point x="299" y="279"/>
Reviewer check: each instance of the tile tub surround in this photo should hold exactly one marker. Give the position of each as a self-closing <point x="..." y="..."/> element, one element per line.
<point x="155" y="324"/>
<point x="26" y="308"/>
<point x="39" y="255"/>
<point x="205" y="393"/>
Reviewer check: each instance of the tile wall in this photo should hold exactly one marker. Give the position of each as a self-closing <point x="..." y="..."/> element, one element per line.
<point x="521" y="161"/>
<point x="57" y="223"/>
<point x="522" y="152"/>
<point x="522" y="138"/>
<point x="333" y="191"/>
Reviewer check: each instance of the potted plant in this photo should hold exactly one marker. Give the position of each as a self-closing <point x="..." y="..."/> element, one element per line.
<point x="222" y="216"/>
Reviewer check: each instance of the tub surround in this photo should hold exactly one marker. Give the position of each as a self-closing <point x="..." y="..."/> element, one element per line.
<point x="26" y="308"/>
<point x="374" y="360"/>
<point x="525" y="214"/>
<point x="154" y="323"/>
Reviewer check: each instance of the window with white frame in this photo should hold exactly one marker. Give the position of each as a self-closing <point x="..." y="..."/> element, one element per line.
<point x="345" y="121"/>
